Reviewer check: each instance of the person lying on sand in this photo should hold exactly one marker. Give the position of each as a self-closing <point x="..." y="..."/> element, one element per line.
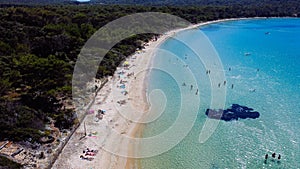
<point x="86" y="158"/>
<point x="89" y="150"/>
<point x="90" y="154"/>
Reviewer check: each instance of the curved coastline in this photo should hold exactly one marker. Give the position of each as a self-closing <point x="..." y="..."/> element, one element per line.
<point x="138" y="129"/>
<point x="236" y="21"/>
<point x="143" y="61"/>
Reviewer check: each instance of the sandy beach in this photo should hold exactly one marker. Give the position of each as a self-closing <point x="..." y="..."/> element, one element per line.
<point x="111" y="98"/>
<point x="123" y="95"/>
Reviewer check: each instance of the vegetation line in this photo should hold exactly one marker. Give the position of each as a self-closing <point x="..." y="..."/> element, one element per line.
<point x="39" y="46"/>
<point x="57" y="153"/>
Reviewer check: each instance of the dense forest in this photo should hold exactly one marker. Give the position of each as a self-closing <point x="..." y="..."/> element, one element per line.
<point x="39" y="46"/>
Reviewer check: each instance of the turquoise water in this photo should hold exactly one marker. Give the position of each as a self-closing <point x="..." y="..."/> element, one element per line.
<point x="264" y="69"/>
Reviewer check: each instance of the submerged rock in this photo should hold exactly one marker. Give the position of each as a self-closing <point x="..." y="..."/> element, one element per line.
<point x="234" y="113"/>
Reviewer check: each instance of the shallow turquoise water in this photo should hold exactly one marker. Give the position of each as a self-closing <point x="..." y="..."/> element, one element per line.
<point x="271" y="69"/>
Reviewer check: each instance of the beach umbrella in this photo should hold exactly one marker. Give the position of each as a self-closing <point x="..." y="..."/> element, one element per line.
<point x="126" y="63"/>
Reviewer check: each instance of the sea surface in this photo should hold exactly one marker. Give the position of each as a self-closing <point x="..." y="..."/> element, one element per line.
<point x="260" y="62"/>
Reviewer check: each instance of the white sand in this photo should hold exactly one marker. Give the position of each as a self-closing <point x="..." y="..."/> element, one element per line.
<point x="107" y="99"/>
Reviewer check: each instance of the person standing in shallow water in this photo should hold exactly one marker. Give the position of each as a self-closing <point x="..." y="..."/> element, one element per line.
<point x="266" y="158"/>
<point x="274" y="155"/>
<point x="279" y="157"/>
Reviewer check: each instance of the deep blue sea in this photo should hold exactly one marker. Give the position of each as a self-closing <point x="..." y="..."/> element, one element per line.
<point x="260" y="61"/>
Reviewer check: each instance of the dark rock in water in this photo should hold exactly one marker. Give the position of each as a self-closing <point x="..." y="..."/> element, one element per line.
<point x="234" y="113"/>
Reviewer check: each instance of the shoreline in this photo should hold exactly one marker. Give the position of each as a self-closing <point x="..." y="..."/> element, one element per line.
<point x="138" y="129"/>
<point x="69" y="157"/>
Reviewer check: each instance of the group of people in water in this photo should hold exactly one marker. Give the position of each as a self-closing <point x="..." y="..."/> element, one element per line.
<point x="197" y="91"/>
<point x="219" y="84"/>
<point x="273" y="156"/>
<point x="224" y="83"/>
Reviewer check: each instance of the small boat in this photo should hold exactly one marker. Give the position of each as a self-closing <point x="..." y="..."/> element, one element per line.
<point x="247" y="54"/>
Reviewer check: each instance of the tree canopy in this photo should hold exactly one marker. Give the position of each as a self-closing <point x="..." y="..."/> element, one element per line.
<point x="40" y="44"/>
